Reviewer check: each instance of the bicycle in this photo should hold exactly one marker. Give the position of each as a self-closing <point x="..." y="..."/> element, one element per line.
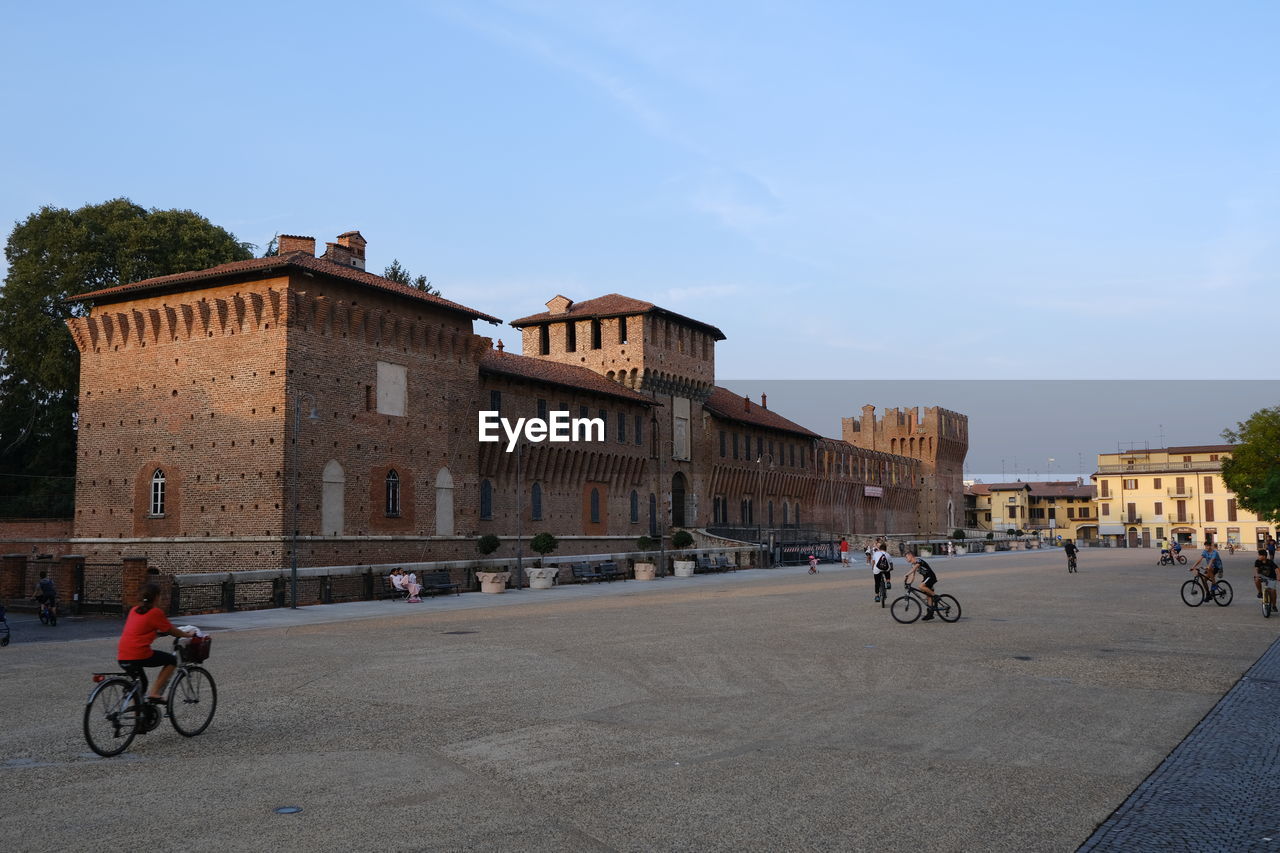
<point x="48" y="612"/>
<point x="1198" y="588"/>
<point x="1167" y="559"/>
<point x="909" y="607"/>
<point x="1071" y="564"/>
<point x="884" y="585"/>
<point x="117" y="710"/>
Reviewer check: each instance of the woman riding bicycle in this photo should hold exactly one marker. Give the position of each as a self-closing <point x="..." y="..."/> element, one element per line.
<point x="144" y="624"/>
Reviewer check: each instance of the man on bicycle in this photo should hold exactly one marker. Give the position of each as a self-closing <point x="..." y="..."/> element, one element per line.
<point x="46" y="591"/>
<point x="880" y="565"/>
<point x="1070" y="547"/>
<point x="927" y="579"/>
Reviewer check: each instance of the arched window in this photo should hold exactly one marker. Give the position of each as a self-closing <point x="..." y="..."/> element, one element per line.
<point x="796" y="514"/>
<point x="393" y="494"/>
<point x="595" y="506"/>
<point x="535" y="502"/>
<point x="635" y="507"/>
<point x="786" y="513"/>
<point x="653" y="514"/>
<point x="486" y="499"/>
<point x="157" y="492"/>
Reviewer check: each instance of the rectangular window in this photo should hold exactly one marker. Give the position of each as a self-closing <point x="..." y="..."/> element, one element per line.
<point x="604" y="417"/>
<point x="793" y="456"/>
<point x="1106" y="509"/>
<point x="544" y="340"/>
<point x="723" y="444"/>
<point x="1084" y="512"/>
<point x="1156" y="483"/>
<point x="495" y="401"/>
<point x="1180" y="486"/>
<point x="622" y="427"/>
<point x="1208" y="511"/>
<point x="735" y="445"/>
<point x="1231" y="509"/>
<point x="1159" y="508"/>
<point x="1208" y="485"/>
<point x="542" y="409"/>
<point x="1106" y="488"/>
<point x="1130" y="484"/>
<point x="639" y="430"/>
<point x="582" y="412"/>
<point x="570" y="336"/>
<point x="595" y="335"/>
<point x="622" y="330"/>
<point x="1071" y="512"/>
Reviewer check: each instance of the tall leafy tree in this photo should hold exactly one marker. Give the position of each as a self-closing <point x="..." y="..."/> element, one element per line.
<point x="55" y="253"/>
<point x="1253" y="469"/>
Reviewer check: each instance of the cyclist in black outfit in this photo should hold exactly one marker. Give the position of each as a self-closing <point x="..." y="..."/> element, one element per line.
<point x="1071" y="549"/>
<point x="927" y="579"/>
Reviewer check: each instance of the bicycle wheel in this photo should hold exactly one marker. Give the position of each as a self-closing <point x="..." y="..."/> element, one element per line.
<point x="44" y="616"/>
<point x="1192" y="593"/>
<point x="1182" y="561"/>
<point x="905" y="609"/>
<point x="111" y="717"/>
<point x="1222" y="593"/>
<point x="193" y="697"/>
<point x="948" y="609"/>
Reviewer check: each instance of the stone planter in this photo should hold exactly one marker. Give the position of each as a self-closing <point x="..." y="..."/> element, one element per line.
<point x="645" y="571"/>
<point x="493" y="582"/>
<point x="926" y="551"/>
<point x="684" y="568"/>
<point x="960" y="549"/>
<point x="990" y="549"/>
<point x="541" y="578"/>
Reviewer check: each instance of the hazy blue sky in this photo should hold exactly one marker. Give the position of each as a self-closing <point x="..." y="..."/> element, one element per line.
<point x="849" y="190"/>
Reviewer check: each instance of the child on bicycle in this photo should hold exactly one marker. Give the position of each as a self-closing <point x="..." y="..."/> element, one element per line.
<point x="46" y="591"/>
<point x="1212" y="566"/>
<point x="144" y="624"/>
<point x="927" y="579"/>
<point x="1264" y="578"/>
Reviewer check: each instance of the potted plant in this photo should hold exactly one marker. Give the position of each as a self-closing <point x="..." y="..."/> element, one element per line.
<point x="542" y="577"/>
<point x="680" y="540"/>
<point x="491" y="582"/>
<point x="990" y="547"/>
<point x="645" y="570"/>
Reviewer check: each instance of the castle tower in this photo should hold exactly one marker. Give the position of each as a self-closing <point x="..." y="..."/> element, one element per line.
<point x="939" y="439"/>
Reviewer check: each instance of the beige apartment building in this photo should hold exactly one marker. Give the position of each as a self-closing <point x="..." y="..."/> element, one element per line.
<point x="1050" y="508"/>
<point x="1147" y="497"/>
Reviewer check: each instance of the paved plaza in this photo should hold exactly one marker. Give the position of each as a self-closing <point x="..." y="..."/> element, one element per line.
<point x="762" y="710"/>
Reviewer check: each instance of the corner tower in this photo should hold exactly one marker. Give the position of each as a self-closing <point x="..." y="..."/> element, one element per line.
<point x="939" y="439"/>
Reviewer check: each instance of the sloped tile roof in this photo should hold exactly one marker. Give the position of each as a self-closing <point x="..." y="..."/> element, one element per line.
<point x="723" y="403"/>
<point x="555" y="373"/>
<point x="612" y="305"/>
<point x="293" y="260"/>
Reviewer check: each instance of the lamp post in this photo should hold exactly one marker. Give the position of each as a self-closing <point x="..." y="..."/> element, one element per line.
<point x="519" y="518"/>
<point x="760" y="479"/>
<point x="297" y="428"/>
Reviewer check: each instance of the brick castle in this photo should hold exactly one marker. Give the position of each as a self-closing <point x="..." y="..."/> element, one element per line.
<point x="220" y="408"/>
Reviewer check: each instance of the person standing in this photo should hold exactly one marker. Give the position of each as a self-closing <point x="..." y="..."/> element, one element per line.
<point x="844" y="551"/>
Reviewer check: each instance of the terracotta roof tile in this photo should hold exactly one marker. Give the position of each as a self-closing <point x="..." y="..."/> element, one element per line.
<point x="555" y="373"/>
<point x="728" y="405"/>
<point x="293" y="260"/>
<point x="612" y="305"/>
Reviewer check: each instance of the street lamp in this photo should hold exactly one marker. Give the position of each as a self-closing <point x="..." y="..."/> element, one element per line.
<point x="760" y="462"/>
<point x="297" y="427"/>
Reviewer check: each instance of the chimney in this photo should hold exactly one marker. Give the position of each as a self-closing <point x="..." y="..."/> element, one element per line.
<point x="746" y="403"/>
<point x="764" y="401"/>
<point x="348" y="251"/>
<point x="287" y="244"/>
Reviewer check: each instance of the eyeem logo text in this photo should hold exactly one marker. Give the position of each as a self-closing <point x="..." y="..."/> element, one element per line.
<point x="559" y="427"/>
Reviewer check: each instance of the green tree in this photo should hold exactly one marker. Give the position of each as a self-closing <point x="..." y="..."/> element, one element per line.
<point x="398" y="273"/>
<point x="53" y="254"/>
<point x="1253" y="469"/>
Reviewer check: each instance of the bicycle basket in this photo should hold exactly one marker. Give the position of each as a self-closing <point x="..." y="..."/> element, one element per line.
<point x="195" y="650"/>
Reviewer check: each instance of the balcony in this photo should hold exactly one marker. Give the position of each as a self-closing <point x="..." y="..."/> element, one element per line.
<point x="1159" y="467"/>
<point x="1184" y="493"/>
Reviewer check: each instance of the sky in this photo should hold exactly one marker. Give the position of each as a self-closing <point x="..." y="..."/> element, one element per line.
<point x="852" y="190"/>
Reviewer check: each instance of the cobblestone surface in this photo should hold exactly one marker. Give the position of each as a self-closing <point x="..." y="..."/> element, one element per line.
<point x="1216" y="790"/>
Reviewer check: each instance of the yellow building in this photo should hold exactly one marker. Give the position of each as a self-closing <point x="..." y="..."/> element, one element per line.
<point x="1147" y="497"/>
<point x="1050" y="508"/>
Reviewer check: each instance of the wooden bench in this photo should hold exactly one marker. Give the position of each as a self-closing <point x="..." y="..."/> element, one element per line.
<point x="586" y="574"/>
<point x="439" y="580"/>
<point x="611" y="572"/>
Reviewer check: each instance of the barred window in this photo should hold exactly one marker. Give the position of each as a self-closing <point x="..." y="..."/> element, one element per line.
<point x="535" y="502"/>
<point x="393" y="494"/>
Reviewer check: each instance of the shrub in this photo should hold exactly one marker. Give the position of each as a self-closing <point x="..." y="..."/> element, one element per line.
<point x="681" y="539"/>
<point x="544" y="543"/>
<point x="646" y="543"/>
<point x="991" y="535"/>
<point x="1011" y="532"/>
<point x="488" y="543"/>
<point x="957" y="533"/>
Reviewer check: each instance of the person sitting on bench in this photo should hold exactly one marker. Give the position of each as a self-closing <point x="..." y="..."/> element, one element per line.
<point x="408" y="583"/>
